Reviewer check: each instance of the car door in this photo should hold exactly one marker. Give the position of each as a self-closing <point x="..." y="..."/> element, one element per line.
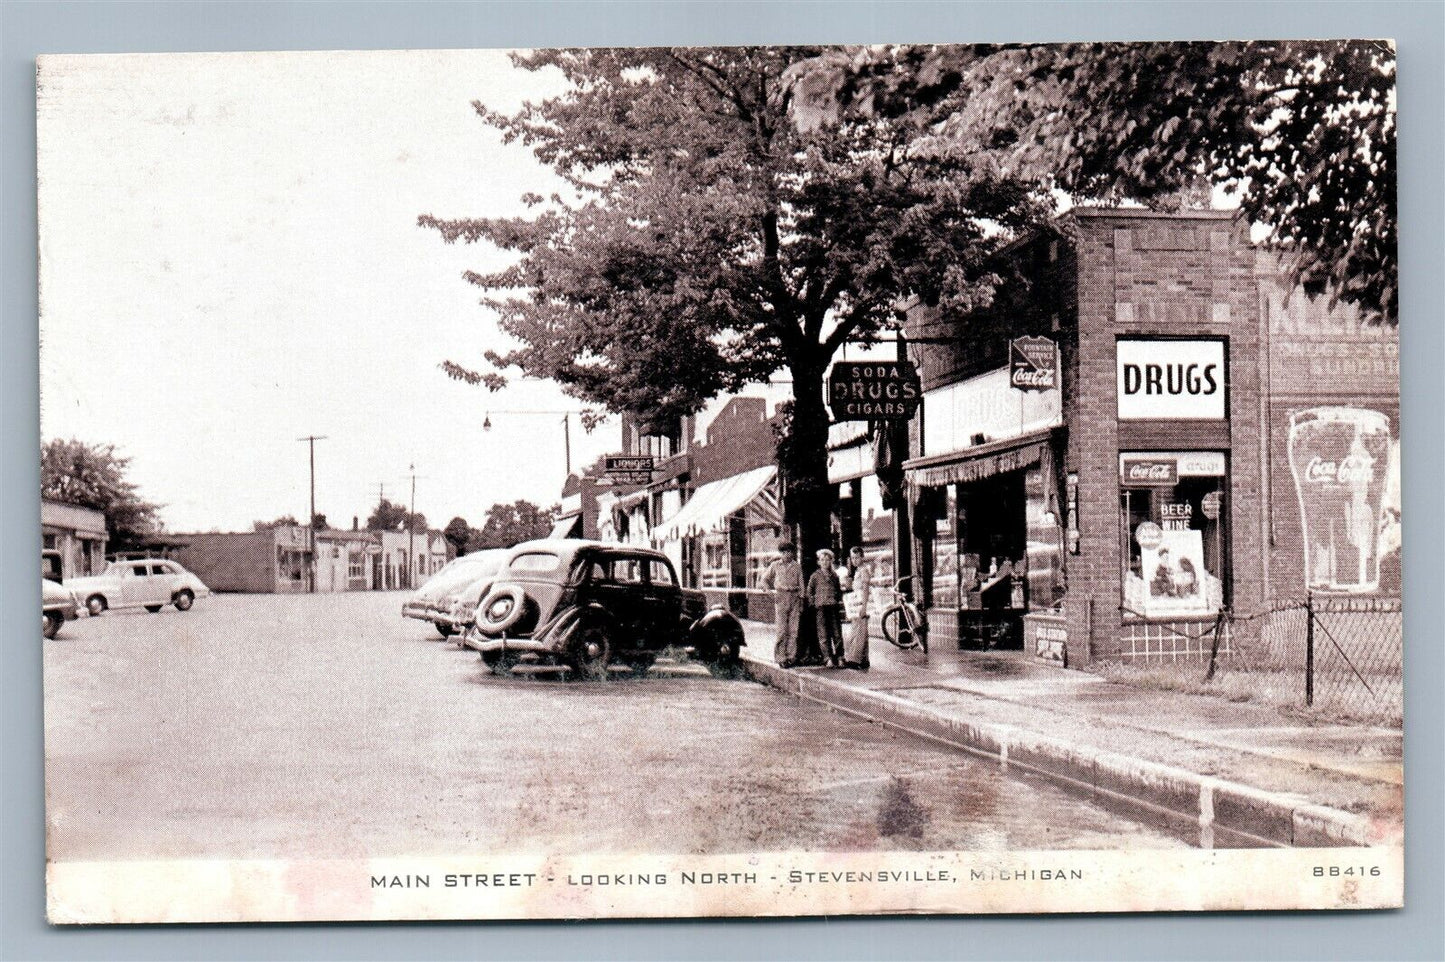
<point x="616" y="583"/>
<point x="135" y="585"/>
<point x="166" y="580"/>
<point x="661" y="604"/>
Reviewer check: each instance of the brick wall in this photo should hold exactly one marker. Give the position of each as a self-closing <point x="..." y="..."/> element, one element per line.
<point x="1318" y="355"/>
<point x="1143" y="274"/>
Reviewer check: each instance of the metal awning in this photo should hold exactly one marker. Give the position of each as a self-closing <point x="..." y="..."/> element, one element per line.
<point x="567" y="527"/>
<point x="713" y="502"/>
<point x="978" y="463"/>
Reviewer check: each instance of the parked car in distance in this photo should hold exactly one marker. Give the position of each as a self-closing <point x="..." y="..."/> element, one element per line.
<point x="586" y="605"/>
<point x="449" y="598"/>
<point x="149" y="583"/>
<point x="56" y="607"/>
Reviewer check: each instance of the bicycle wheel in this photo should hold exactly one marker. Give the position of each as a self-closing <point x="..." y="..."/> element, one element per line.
<point x="896" y="629"/>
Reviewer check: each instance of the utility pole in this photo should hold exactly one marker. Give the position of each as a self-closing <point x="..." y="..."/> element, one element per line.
<point x="311" y="440"/>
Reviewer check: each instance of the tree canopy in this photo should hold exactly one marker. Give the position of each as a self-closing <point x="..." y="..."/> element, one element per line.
<point x="388" y="516"/>
<point x="1301" y="132"/>
<point x="285" y="521"/>
<point x="510" y="524"/>
<point x="94" y="476"/>
<point x="707" y="242"/>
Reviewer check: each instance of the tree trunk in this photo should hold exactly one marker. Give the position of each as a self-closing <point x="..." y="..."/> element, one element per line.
<point x="804" y="462"/>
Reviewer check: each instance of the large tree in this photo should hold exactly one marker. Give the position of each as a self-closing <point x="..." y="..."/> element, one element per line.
<point x="1301" y="132"/>
<point x="390" y="516"/>
<point x="706" y="242"/>
<point x="94" y="476"/>
<point x="510" y="524"/>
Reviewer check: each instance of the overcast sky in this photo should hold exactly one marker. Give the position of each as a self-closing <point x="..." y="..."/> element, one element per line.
<point x="230" y="260"/>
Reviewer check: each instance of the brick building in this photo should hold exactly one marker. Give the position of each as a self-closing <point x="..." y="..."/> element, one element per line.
<point x="1116" y="511"/>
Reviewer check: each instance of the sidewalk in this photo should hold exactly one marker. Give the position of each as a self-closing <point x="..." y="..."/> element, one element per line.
<point x="1246" y="774"/>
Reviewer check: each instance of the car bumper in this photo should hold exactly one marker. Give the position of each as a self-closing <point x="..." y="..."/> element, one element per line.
<point x="69" y="611"/>
<point x="486" y="644"/>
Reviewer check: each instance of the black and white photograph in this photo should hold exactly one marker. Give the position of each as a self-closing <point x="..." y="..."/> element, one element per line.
<point x="637" y="482"/>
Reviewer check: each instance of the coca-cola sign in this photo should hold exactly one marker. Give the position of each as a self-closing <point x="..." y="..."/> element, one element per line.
<point x="1355" y="469"/>
<point x="1033" y="364"/>
<point x="1149" y="471"/>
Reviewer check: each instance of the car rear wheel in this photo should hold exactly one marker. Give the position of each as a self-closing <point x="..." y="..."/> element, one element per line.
<point x="723" y="661"/>
<point x="50" y="623"/>
<point x="445" y="630"/>
<point x="591" y="651"/>
<point x="96" y="605"/>
<point x="184" y="600"/>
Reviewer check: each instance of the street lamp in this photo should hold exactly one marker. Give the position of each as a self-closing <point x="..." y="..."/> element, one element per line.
<point x="566" y="430"/>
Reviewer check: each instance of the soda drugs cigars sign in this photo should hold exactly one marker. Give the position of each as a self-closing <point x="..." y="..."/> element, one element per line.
<point x="1033" y="364"/>
<point x="1171" y="380"/>
<point x="874" y="390"/>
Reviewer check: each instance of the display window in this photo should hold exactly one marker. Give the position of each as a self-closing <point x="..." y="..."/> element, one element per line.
<point x="1173" y="533"/>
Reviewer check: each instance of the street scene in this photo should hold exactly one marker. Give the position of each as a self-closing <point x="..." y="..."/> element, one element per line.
<point x="336" y="728"/>
<point x="724" y="453"/>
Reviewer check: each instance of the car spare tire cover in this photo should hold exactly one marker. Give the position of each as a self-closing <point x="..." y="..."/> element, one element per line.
<point x="502" y="608"/>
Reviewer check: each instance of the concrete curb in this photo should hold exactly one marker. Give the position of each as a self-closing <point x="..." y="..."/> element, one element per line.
<point x="1224" y="812"/>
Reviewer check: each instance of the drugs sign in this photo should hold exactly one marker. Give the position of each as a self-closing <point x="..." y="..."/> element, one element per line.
<point x="630" y="469"/>
<point x="874" y="390"/>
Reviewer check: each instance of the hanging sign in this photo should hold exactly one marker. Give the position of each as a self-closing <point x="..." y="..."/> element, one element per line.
<point x="874" y="391"/>
<point x="629" y="469"/>
<point x="1033" y="364"/>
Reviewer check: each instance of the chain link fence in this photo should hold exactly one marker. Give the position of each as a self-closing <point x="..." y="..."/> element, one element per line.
<point x="1343" y="656"/>
<point x="1335" y="657"/>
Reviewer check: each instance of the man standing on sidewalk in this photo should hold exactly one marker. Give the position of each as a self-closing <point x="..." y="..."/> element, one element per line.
<point x="785" y="577"/>
<point x="855" y="647"/>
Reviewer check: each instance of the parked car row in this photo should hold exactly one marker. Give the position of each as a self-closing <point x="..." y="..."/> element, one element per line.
<point x="149" y="583"/>
<point x="586" y="606"/>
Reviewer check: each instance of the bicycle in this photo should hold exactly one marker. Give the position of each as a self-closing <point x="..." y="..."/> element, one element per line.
<point x="904" y="626"/>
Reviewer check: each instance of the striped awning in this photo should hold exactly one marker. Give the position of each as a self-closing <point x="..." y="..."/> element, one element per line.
<point x="711" y="504"/>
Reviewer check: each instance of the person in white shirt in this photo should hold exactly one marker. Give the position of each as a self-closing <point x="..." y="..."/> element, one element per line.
<point x="855" y="648"/>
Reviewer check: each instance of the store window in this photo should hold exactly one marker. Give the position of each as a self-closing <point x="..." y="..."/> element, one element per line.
<point x="1173" y="533"/>
<point x="715" y="568"/>
<point x="356" y="565"/>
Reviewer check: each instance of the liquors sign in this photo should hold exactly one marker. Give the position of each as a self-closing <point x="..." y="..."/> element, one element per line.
<point x="1171" y="380"/>
<point x="874" y="391"/>
<point x="629" y="470"/>
<point x="1033" y="364"/>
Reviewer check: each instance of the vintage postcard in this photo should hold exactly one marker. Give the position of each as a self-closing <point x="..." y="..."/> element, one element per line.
<point x="679" y="482"/>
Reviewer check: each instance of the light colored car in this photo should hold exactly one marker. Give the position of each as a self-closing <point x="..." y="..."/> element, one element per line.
<point x="149" y="583"/>
<point x="449" y="598"/>
<point x="56" y="607"/>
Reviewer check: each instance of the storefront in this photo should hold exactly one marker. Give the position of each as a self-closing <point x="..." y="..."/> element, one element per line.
<point x="725" y="536"/>
<point x="1086" y="470"/>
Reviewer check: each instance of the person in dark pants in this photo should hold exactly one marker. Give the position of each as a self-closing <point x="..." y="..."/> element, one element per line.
<point x="825" y="595"/>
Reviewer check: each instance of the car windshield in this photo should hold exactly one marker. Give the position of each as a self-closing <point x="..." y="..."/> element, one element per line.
<point x="535" y="561"/>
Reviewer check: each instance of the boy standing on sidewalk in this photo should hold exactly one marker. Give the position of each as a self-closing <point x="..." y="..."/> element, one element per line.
<point x="785" y="577"/>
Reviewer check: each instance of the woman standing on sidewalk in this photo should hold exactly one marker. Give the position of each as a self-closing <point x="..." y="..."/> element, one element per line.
<point x="825" y="595"/>
<point x="855" y="648"/>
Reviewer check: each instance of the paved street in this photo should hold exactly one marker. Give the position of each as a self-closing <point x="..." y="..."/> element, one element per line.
<point x="329" y="727"/>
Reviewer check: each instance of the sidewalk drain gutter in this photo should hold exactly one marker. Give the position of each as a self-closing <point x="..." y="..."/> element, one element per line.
<point x="1224" y="812"/>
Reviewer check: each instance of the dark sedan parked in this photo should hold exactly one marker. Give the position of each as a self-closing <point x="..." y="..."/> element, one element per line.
<point x="587" y="605"/>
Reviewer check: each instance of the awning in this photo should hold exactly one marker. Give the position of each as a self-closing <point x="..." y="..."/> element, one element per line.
<point x="713" y="502"/>
<point x="567" y="527"/>
<point x="985" y="461"/>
